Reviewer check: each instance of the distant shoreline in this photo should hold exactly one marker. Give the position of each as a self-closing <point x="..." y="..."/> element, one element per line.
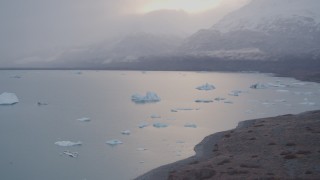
<point x="298" y="68"/>
<point x="282" y="147"/>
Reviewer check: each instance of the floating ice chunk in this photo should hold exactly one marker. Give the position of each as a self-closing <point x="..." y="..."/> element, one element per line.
<point x="114" y="142"/>
<point x="142" y="149"/>
<point x="203" y="101"/>
<point x="206" y="87"/>
<point x="190" y="125"/>
<point x="155" y="116"/>
<point x="160" y="125"/>
<point x="280" y="100"/>
<point x="219" y="99"/>
<point x="84" y="119"/>
<point x="299" y="83"/>
<point x="258" y="86"/>
<point x="180" y="142"/>
<point x="249" y="111"/>
<point x="68" y="143"/>
<point x="71" y="154"/>
<point x="277" y="85"/>
<point x="228" y="102"/>
<point x="16" y="77"/>
<point x="41" y="103"/>
<point x="308" y="103"/>
<point x="183" y="109"/>
<point x="143" y="125"/>
<point x="150" y="97"/>
<point x="282" y="91"/>
<point x="8" y="98"/>
<point x="268" y="103"/>
<point x="235" y="93"/>
<point x="126" y="132"/>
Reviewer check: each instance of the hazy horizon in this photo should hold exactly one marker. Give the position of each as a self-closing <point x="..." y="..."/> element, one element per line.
<point x="37" y="31"/>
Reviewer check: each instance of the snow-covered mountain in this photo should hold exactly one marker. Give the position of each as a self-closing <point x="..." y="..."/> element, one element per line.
<point x="267" y="28"/>
<point x="124" y="49"/>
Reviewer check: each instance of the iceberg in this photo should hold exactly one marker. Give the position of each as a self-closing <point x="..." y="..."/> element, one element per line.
<point x="114" y="142"/>
<point x="203" y="101"/>
<point x="228" y="102"/>
<point x="219" y="99"/>
<point x="258" y="86"/>
<point x="143" y="125"/>
<point x="126" y="132"/>
<point x="68" y="143"/>
<point x="206" y="87"/>
<point x="190" y="125"/>
<point x="235" y="93"/>
<point x="282" y="91"/>
<point x="183" y="109"/>
<point x="278" y="85"/>
<point x="84" y="119"/>
<point x="71" y="154"/>
<point x="155" y="116"/>
<point x="142" y="149"/>
<point x="8" y="98"/>
<point x="16" y="76"/>
<point x="148" y="98"/>
<point x="160" y="125"/>
<point x="41" y="103"/>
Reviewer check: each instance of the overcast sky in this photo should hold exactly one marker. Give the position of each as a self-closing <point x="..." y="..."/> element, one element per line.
<point x="44" y="26"/>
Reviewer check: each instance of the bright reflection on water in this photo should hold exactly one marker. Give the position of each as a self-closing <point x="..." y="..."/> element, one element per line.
<point x="28" y="131"/>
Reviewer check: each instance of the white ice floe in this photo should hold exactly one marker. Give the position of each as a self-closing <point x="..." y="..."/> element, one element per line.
<point x="206" y="87"/>
<point x="160" y="125"/>
<point x="203" y="101"/>
<point x="190" y="125"/>
<point x="84" y="119"/>
<point x="8" y="98"/>
<point x="71" y="154"/>
<point x="249" y="111"/>
<point x="308" y="103"/>
<point x="155" y="116"/>
<point x="303" y="93"/>
<point x="219" y="99"/>
<point x="114" y="142"/>
<point x="235" y="93"/>
<point x="299" y="84"/>
<point x="126" y="132"/>
<point x="280" y="100"/>
<point x="180" y="142"/>
<point x="149" y="97"/>
<point x="183" y="109"/>
<point x="16" y="77"/>
<point x="268" y="103"/>
<point x="142" y="149"/>
<point x="279" y="85"/>
<point x="68" y="143"/>
<point x="282" y="91"/>
<point x="259" y="86"/>
<point x="143" y="125"/>
<point x="41" y="103"/>
<point x="228" y="102"/>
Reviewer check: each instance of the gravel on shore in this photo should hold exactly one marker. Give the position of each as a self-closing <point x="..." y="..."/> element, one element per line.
<point x="282" y="147"/>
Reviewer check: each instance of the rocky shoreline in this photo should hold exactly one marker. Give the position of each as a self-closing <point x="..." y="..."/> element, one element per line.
<point x="282" y="147"/>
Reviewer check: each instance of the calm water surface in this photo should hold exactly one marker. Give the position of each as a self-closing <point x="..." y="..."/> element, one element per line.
<point x="28" y="131"/>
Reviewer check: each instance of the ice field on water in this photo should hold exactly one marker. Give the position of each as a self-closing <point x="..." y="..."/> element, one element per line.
<point x="89" y="125"/>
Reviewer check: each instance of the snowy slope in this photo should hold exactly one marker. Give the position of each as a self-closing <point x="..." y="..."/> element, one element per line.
<point x="269" y="28"/>
<point x="266" y="15"/>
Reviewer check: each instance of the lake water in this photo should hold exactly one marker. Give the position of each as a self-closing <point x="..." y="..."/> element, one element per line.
<point x="28" y="131"/>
